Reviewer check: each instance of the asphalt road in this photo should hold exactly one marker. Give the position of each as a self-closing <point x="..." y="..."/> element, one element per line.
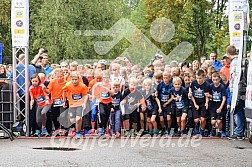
<point x="126" y="152"/>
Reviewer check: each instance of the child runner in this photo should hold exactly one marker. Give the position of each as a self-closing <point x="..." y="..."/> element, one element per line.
<point x="76" y="93"/>
<point x="164" y="95"/>
<point x="115" y="115"/>
<point x="132" y="98"/>
<point x="190" y="122"/>
<point x="228" y="104"/>
<point x="217" y="95"/>
<point x="105" y="96"/>
<point x="116" y="76"/>
<point x="95" y="95"/>
<point x="198" y="92"/>
<point x="153" y="106"/>
<point x="38" y="94"/>
<point x="158" y="76"/>
<point x="123" y="73"/>
<point x="180" y="97"/>
<point x="55" y="89"/>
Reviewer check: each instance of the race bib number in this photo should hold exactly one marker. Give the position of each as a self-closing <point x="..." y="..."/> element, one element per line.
<point x="180" y="104"/>
<point x="216" y="96"/>
<point x="164" y="98"/>
<point x="198" y="94"/>
<point x="115" y="102"/>
<point x="40" y="99"/>
<point x="149" y="105"/>
<point x="105" y="95"/>
<point x="57" y="103"/>
<point x="77" y="96"/>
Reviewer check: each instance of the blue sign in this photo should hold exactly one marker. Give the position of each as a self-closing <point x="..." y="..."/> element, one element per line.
<point x="1" y="53"/>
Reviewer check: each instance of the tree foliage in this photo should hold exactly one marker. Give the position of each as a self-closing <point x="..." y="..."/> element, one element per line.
<point x="58" y="25"/>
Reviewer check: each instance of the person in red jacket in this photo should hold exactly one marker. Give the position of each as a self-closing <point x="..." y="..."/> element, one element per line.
<point x="225" y="70"/>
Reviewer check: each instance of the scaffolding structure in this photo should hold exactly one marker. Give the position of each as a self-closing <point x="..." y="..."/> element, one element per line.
<point x="18" y="99"/>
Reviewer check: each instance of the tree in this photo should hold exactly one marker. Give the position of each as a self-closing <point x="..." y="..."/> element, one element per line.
<point x="59" y="24"/>
<point x="5" y="30"/>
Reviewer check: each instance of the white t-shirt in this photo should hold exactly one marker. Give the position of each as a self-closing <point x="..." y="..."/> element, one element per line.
<point x="120" y="79"/>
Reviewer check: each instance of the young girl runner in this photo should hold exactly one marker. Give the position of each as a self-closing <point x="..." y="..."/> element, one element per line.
<point x="55" y="89"/>
<point x="76" y="93"/>
<point x="38" y="94"/>
<point x="105" y="104"/>
<point x="153" y="106"/>
<point x="95" y="95"/>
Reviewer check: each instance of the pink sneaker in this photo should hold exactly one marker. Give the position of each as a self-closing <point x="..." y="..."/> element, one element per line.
<point x="62" y="132"/>
<point x="71" y="133"/>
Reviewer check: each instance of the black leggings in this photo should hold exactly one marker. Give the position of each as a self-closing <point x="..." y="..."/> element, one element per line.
<point x="104" y="110"/>
<point x="52" y="118"/>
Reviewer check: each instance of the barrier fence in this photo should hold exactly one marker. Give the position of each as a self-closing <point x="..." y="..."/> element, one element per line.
<point x="6" y="105"/>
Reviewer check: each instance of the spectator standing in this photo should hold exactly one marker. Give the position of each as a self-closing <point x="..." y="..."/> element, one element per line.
<point x="215" y="63"/>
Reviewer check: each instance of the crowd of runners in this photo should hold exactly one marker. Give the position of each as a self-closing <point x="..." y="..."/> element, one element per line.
<point x="122" y="99"/>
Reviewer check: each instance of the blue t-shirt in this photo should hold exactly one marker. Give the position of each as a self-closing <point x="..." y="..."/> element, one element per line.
<point x="48" y="70"/>
<point x="217" y="94"/>
<point x="116" y="99"/>
<point x="150" y="99"/>
<point x="182" y="97"/>
<point x="217" y="65"/>
<point x="198" y="92"/>
<point x="164" y="92"/>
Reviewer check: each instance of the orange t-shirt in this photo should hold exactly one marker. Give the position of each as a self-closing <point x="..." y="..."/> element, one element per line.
<point x="56" y="89"/>
<point x="75" y="94"/>
<point x="67" y="79"/>
<point x="90" y="78"/>
<point x="91" y="83"/>
<point x="226" y="71"/>
<point x="102" y="93"/>
<point x="38" y="94"/>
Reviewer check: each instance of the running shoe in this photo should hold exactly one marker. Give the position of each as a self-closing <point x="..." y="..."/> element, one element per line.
<point x="78" y="135"/>
<point x="140" y="133"/>
<point x="184" y="133"/>
<point x="202" y="132"/>
<point x="71" y="133"/>
<point x="240" y="138"/>
<point x="93" y="132"/>
<point x="151" y="132"/>
<point x="101" y="132"/>
<point x="56" y="132"/>
<point x="37" y="133"/>
<point x="127" y="133"/>
<point x="211" y="134"/>
<point x="134" y="132"/>
<point x="31" y="133"/>
<point x="44" y="132"/>
<point x="118" y="134"/>
<point x="223" y="134"/>
<point x="166" y="134"/>
<point x="196" y="130"/>
<point x="234" y="137"/>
